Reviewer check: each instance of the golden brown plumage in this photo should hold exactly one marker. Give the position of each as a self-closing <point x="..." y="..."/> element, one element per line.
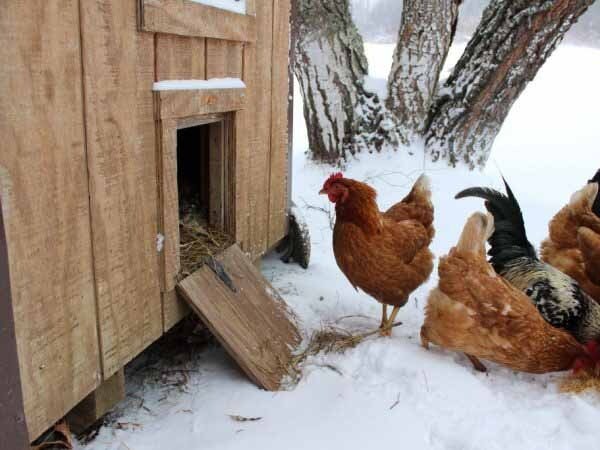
<point x="384" y="254"/>
<point x="573" y="244"/>
<point x="475" y="311"/>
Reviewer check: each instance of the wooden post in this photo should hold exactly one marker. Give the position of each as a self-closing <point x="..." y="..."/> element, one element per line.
<point x="98" y="403"/>
<point x="13" y="428"/>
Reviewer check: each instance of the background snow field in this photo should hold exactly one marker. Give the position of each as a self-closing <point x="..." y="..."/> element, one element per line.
<point x="391" y="393"/>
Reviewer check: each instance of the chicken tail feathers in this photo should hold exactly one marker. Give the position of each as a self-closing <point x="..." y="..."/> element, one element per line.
<point x="596" y="204"/>
<point x="476" y="231"/>
<point x="509" y="239"/>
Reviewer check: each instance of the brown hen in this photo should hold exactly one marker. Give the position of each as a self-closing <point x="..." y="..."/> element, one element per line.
<point x="475" y="311"/>
<point x="384" y="254"/>
<point x="573" y="244"/>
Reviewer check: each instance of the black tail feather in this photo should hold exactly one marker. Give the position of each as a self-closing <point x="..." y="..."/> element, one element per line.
<point x="509" y="240"/>
<point x="596" y="205"/>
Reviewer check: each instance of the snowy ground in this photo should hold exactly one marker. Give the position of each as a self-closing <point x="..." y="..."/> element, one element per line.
<point x="390" y="393"/>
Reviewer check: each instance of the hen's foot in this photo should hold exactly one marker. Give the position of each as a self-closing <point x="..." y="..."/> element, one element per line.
<point x="477" y="365"/>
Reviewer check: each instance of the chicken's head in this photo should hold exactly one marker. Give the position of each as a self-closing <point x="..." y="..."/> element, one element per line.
<point x="335" y="189"/>
<point x="590" y="362"/>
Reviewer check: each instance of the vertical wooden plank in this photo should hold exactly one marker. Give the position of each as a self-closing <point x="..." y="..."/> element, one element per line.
<point x="175" y="309"/>
<point x="260" y="126"/>
<point x="216" y="175"/>
<point x="169" y="204"/>
<point x="11" y="396"/>
<point x="180" y="58"/>
<point x="44" y="190"/>
<point x="278" y="189"/>
<point x="223" y="59"/>
<point x="98" y="403"/>
<point x="245" y="139"/>
<point x="251" y="7"/>
<point x="119" y="72"/>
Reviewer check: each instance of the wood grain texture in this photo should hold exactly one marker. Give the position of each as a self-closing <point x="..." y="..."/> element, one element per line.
<point x="104" y="398"/>
<point x="44" y="190"/>
<point x="251" y="7"/>
<point x="180" y="57"/>
<point x="174" y="309"/>
<point x="169" y="204"/>
<point x="259" y="59"/>
<point x="187" y="103"/>
<point x="223" y="59"/>
<point x="252" y="324"/>
<point x="11" y="395"/>
<point x="278" y="183"/>
<point x="119" y="73"/>
<point x="244" y="139"/>
<point x="186" y="18"/>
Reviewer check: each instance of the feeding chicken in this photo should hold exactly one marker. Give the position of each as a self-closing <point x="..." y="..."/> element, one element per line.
<point x="384" y="254"/>
<point x="557" y="296"/>
<point x="573" y="244"/>
<point x="475" y="311"/>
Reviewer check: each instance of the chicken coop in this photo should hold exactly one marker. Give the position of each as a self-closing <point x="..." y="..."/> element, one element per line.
<point x="120" y="119"/>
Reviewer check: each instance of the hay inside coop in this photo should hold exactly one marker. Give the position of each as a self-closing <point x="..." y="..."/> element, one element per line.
<point x="201" y="181"/>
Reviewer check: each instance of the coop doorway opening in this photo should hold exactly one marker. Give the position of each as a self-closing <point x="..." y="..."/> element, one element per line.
<point x="202" y="180"/>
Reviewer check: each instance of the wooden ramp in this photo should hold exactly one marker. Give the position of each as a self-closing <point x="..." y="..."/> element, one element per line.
<point x="245" y="314"/>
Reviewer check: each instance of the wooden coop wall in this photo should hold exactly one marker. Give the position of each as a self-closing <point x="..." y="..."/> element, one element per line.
<point x="78" y="172"/>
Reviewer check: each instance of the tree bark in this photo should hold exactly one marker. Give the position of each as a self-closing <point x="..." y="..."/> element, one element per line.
<point x="426" y="33"/>
<point x="509" y="46"/>
<point x="330" y="64"/>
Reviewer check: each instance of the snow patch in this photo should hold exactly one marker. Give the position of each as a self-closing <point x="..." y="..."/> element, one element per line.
<point x="237" y="6"/>
<point x="213" y="83"/>
<point x="160" y="242"/>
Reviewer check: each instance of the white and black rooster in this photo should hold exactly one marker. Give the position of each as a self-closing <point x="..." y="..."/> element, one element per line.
<point x="558" y="297"/>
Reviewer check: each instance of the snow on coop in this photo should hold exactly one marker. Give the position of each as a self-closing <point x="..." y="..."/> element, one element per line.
<point x="117" y="119"/>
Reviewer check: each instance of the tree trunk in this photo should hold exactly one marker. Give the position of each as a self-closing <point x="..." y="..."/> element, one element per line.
<point x="509" y="46"/>
<point x="330" y="64"/>
<point x="426" y="33"/>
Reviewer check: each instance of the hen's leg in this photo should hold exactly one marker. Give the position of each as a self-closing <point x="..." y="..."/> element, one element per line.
<point x="478" y="365"/>
<point x="383" y="316"/>
<point x="387" y="328"/>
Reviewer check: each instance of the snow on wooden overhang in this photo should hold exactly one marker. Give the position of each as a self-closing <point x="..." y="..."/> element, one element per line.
<point x="213" y="83"/>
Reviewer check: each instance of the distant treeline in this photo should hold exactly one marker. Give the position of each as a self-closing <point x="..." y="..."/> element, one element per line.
<point x="378" y="21"/>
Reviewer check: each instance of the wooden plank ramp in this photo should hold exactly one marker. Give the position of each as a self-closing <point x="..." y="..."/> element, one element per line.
<point x="246" y="315"/>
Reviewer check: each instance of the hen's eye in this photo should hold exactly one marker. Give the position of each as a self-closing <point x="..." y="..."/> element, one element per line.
<point x="528" y="291"/>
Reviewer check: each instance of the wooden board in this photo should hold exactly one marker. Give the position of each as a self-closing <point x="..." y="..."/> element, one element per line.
<point x="187" y="18"/>
<point x="169" y="207"/>
<point x="11" y="395"/>
<point x="119" y="71"/>
<point x="259" y="59"/>
<point x="223" y="59"/>
<point x="104" y="398"/>
<point x="45" y="199"/>
<point x="252" y="323"/>
<point x="278" y="189"/>
<point x="180" y="58"/>
<point x="187" y="103"/>
<point x="174" y="309"/>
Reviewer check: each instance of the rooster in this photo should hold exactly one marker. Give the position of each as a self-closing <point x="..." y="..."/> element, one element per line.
<point x="384" y="254"/>
<point x="573" y="244"/>
<point x="557" y="296"/>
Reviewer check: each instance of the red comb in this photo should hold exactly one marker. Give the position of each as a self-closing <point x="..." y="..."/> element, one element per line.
<point x="334" y="176"/>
